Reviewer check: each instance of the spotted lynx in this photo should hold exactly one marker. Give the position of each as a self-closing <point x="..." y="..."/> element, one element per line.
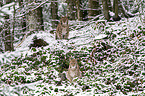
<point x="73" y="70"/>
<point x="62" y="31"/>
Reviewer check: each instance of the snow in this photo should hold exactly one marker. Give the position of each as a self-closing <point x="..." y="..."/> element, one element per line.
<point x="8" y="8"/>
<point x="78" y="39"/>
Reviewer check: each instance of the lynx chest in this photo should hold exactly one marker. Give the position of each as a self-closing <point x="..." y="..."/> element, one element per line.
<point x="64" y="30"/>
<point x="73" y="73"/>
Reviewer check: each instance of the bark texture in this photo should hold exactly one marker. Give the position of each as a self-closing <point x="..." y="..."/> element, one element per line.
<point x="115" y="9"/>
<point x="71" y="9"/>
<point x="7" y="35"/>
<point x="34" y="18"/>
<point x="54" y="13"/>
<point x="106" y="9"/>
<point x="94" y="8"/>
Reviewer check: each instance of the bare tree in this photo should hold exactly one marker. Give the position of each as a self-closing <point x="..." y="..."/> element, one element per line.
<point x="54" y="13"/>
<point x="75" y="10"/>
<point x="106" y="9"/>
<point x="123" y="10"/>
<point x="34" y="18"/>
<point x="118" y="8"/>
<point x="109" y="5"/>
<point x="23" y="20"/>
<point x="79" y="11"/>
<point x="94" y="8"/>
<point x="1" y="3"/>
<point x="7" y="35"/>
<point x="1" y="49"/>
<point x="115" y="9"/>
<point x="71" y="9"/>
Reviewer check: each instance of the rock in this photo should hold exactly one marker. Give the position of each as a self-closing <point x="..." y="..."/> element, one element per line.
<point x="38" y="43"/>
<point x="116" y="18"/>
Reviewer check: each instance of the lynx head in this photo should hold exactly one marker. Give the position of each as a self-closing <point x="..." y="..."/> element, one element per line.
<point x="73" y="64"/>
<point x="64" y="21"/>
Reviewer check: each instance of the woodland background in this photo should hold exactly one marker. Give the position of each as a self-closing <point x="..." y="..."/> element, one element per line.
<point x="106" y="38"/>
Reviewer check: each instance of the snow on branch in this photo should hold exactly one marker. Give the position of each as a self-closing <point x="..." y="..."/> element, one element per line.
<point x="5" y="9"/>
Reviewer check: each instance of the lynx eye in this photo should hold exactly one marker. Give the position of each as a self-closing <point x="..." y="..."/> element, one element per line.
<point x="73" y="65"/>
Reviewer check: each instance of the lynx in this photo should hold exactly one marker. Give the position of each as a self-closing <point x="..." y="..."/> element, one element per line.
<point x="62" y="31"/>
<point x="73" y="70"/>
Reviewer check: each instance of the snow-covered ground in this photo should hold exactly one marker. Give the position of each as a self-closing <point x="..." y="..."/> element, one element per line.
<point x="85" y="37"/>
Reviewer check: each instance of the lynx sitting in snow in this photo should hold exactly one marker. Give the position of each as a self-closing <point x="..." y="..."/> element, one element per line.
<point x="73" y="70"/>
<point x="62" y="31"/>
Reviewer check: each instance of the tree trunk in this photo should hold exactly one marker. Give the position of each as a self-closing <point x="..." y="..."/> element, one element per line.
<point x="106" y="10"/>
<point x="122" y="10"/>
<point x="109" y="5"/>
<point x="13" y="22"/>
<point x="79" y="11"/>
<point x="71" y="9"/>
<point x="94" y="8"/>
<point x="8" y="37"/>
<point x="1" y="48"/>
<point x="1" y="3"/>
<point x="34" y="18"/>
<point x="115" y="9"/>
<point x="23" y="21"/>
<point x="54" y="13"/>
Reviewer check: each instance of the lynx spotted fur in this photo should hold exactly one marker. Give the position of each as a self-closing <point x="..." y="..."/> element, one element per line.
<point x="73" y="70"/>
<point x="62" y="31"/>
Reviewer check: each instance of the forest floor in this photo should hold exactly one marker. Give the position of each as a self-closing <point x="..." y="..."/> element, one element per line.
<point x="116" y="68"/>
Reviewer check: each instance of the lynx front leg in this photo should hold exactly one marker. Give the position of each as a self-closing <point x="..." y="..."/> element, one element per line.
<point x="61" y="36"/>
<point x="80" y="74"/>
<point x="66" y="35"/>
<point x="69" y="77"/>
<point x="58" y="35"/>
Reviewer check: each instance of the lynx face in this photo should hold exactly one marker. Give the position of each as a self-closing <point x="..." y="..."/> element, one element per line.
<point x="73" y="70"/>
<point x="62" y="31"/>
<point x="73" y="64"/>
<point x="64" y="21"/>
